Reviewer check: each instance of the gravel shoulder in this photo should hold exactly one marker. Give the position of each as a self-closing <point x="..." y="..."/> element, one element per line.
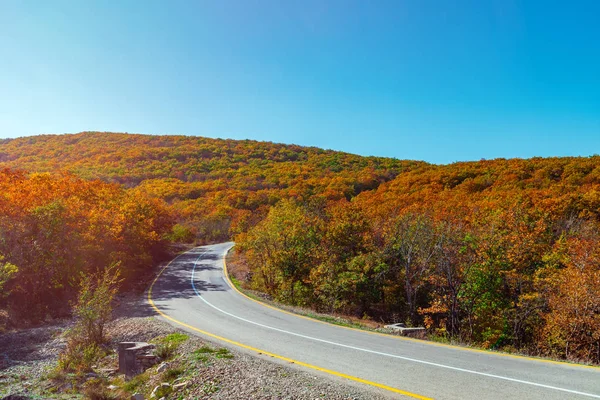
<point x="210" y="371"/>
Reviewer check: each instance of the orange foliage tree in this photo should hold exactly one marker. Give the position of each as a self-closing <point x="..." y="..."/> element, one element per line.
<point x="55" y="227"/>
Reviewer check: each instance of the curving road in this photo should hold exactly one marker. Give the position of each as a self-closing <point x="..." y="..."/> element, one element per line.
<point x="193" y="293"/>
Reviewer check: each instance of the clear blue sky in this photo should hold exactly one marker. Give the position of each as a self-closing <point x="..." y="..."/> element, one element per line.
<point x="440" y="81"/>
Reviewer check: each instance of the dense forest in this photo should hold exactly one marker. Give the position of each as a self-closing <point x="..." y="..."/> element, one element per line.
<point x="501" y="253"/>
<point x="56" y="228"/>
<point x="214" y="186"/>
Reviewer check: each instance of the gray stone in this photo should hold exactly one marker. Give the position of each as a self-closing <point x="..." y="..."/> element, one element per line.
<point x="162" y="386"/>
<point x="396" y="326"/>
<point x="135" y="357"/>
<point x="137" y="396"/>
<point x="162" y="367"/>
<point x="107" y="371"/>
<point x="180" y="386"/>
<point x="401" y="329"/>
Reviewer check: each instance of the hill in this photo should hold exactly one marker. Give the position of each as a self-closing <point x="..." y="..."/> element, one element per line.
<point x="500" y="253"/>
<point x="214" y="186"/>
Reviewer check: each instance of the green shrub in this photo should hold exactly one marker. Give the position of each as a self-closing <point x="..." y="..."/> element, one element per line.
<point x="7" y="271"/>
<point x="202" y="354"/>
<point x="167" y="345"/>
<point x="165" y="350"/>
<point x="79" y="356"/>
<point x="92" y="311"/>
<point x="173" y="373"/>
<point x="97" y="389"/>
<point x="181" y="234"/>
<point x="203" y="358"/>
<point x="163" y="391"/>
<point x="174" y="338"/>
<point x="135" y="383"/>
<point x="224" y="353"/>
<point x="204" y="350"/>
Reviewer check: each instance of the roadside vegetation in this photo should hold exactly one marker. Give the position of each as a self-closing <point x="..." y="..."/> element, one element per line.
<point x="499" y="254"/>
<point x="175" y="376"/>
<point x="193" y="369"/>
<point x="57" y="229"/>
<point x="87" y="341"/>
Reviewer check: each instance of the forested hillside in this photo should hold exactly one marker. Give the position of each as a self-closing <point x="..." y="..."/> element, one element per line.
<point x="214" y="186"/>
<point x="500" y="253"/>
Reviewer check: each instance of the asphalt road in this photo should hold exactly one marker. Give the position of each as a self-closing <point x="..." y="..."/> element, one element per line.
<point x="193" y="292"/>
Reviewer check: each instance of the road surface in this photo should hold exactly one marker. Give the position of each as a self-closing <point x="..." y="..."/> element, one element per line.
<point x="193" y="293"/>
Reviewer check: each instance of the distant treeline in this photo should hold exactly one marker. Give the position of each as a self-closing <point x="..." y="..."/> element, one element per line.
<point x="215" y="187"/>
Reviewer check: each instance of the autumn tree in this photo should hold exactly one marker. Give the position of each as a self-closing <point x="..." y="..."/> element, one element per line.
<point x="346" y="275"/>
<point x="453" y="263"/>
<point x="411" y="242"/>
<point x="283" y="248"/>
<point x="572" y="327"/>
<point x="53" y="227"/>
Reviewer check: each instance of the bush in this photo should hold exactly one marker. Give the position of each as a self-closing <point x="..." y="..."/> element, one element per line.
<point x="94" y="305"/>
<point x="92" y="311"/>
<point x="223" y="353"/>
<point x="167" y="345"/>
<point x="204" y="350"/>
<point x="173" y="373"/>
<point x="202" y="354"/>
<point x="136" y="382"/>
<point x="79" y="356"/>
<point x="163" y="391"/>
<point x="181" y="234"/>
<point x="174" y="338"/>
<point x="165" y="350"/>
<point x="96" y="389"/>
<point x="7" y="271"/>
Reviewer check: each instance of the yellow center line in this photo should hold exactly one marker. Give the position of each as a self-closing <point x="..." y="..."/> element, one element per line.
<point x="277" y="356"/>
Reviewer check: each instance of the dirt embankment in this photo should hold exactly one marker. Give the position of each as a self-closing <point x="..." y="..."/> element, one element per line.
<point x="203" y="369"/>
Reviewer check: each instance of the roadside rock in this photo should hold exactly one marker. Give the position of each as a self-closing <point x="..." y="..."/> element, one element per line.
<point x="162" y="367"/>
<point x="180" y="386"/>
<point x="163" y="387"/>
<point x="107" y="371"/>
